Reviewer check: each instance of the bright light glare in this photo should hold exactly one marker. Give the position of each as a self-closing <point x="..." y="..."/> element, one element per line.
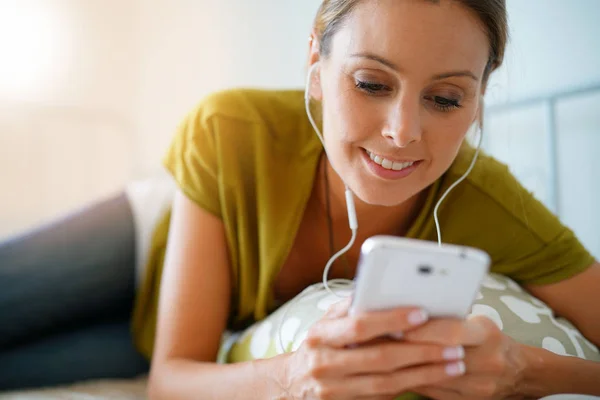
<point x="29" y="41"/>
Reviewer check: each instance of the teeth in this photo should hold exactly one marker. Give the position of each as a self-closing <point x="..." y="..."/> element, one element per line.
<point x="387" y="164"/>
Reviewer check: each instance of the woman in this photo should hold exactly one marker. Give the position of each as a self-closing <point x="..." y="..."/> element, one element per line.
<point x="260" y="209"/>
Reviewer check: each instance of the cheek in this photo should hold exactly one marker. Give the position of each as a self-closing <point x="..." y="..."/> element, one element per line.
<point x="347" y="117"/>
<point x="444" y="144"/>
<point x="349" y="121"/>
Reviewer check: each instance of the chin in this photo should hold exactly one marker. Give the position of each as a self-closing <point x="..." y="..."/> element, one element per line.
<point x="381" y="197"/>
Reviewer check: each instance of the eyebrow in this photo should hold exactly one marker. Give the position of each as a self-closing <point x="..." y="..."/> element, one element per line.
<point x="393" y="66"/>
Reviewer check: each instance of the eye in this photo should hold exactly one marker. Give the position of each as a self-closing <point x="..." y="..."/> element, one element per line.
<point x="444" y="104"/>
<point x="372" y="87"/>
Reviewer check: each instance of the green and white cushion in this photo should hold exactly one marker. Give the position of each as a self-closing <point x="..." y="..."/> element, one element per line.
<point x="517" y="313"/>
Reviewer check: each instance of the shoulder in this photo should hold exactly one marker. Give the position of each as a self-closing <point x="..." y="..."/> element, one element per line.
<point x="251" y="105"/>
<point x="266" y="118"/>
<point x="493" y="193"/>
<point x="492" y="211"/>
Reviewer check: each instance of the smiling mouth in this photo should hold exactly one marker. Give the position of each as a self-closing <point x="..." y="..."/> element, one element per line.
<point x="389" y="164"/>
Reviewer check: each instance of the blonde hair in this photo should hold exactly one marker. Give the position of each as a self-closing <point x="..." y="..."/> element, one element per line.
<point x="492" y="14"/>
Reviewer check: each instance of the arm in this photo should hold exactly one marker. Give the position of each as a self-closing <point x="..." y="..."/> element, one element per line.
<point x="193" y="310"/>
<point x="497" y="367"/>
<point x="576" y="299"/>
<point x="548" y="373"/>
<point x="507" y="368"/>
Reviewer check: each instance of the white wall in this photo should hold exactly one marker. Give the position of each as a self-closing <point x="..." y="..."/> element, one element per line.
<point x="91" y="91"/>
<point x="68" y="87"/>
<point x="578" y="127"/>
<point x="70" y="52"/>
<point x="555" y="47"/>
<point x="192" y="47"/>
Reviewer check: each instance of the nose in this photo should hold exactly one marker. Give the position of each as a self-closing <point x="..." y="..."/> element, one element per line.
<point x="403" y="122"/>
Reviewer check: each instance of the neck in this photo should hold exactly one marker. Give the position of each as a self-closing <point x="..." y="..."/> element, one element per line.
<point x="372" y="219"/>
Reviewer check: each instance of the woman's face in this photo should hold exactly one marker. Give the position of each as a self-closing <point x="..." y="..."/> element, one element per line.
<point x="402" y="85"/>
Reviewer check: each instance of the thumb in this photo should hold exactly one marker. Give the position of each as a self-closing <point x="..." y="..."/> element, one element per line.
<point x="339" y="309"/>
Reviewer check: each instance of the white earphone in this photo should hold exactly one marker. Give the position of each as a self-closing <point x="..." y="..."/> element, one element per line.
<point x="352" y="220"/>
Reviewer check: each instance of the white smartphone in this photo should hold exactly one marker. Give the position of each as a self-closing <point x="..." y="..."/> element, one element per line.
<point x="399" y="272"/>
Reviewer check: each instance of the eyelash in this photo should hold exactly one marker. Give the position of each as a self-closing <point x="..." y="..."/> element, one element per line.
<point x="443" y="104"/>
<point x="371" y="87"/>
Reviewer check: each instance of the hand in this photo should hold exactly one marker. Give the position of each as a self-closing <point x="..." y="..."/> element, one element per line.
<point x="342" y="359"/>
<point x="494" y="362"/>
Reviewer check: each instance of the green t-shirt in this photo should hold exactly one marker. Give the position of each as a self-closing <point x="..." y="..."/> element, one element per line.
<point x="250" y="157"/>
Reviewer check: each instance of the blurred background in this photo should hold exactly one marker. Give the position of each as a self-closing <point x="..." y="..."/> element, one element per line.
<point x="92" y="90"/>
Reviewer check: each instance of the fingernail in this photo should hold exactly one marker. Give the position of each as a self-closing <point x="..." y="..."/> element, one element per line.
<point x="418" y="317"/>
<point x="456" y="369"/>
<point x="454" y="353"/>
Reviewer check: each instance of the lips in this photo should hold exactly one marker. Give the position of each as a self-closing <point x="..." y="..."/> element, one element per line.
<point x="389" y="164"/>
<point x="389" y="169"/>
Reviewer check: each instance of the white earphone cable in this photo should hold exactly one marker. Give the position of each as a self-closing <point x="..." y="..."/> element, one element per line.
<point x="458" y="181"/>
<point x="329" y="285"/>
<point x="352" y="220"/>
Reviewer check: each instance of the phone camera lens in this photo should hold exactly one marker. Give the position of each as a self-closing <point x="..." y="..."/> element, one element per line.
<point x="425" y="270"/>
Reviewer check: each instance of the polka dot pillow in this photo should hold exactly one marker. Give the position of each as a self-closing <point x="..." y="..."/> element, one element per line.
<point x="517" y="313"/>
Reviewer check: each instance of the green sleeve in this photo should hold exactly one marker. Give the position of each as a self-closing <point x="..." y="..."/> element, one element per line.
<point x="192" y="161"/>
<point x="552" y="262"/>
<point x="492" y="211"/>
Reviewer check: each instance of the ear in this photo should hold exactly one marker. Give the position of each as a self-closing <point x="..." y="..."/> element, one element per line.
<point x="478" y="115"/>
<point x="481" y="106"/>
<point x="314" y="58"/>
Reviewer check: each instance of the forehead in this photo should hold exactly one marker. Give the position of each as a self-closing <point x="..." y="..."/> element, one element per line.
<point x="416" y="34"/>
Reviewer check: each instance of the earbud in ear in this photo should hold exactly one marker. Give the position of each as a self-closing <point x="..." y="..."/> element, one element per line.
<point x="313" y="80"/>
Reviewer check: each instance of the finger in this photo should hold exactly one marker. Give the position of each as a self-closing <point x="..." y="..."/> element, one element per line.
<point x="339" y="309"/>
<point x="452" y="332"/>
<point x="387" y="357"/>
<point x="360" y="328"/>
<point x="392" y="383"/>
